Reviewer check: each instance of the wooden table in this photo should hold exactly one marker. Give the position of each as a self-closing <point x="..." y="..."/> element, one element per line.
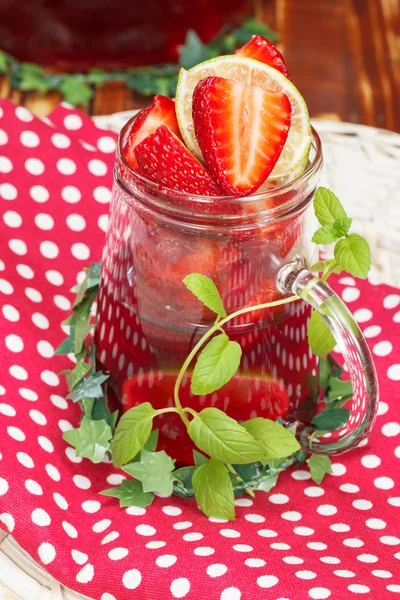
<point x="344" y="55"/>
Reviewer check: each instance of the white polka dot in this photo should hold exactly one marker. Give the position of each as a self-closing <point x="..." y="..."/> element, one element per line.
<point x="316" y="546"/>
<point x="367" y="558"/>
<point x="384" y="483"/>
<point x="349" y="488"/>
<point x="279" y="498"/>
<point x="33" y="487"/>
<point x="6" y="287"/>
<point x="101" y="526"/>
<point x="76" y="222"/>
<point x="166" y="560"/>
<point x="37" y="417"/>
<point x="390" y="540"/>
<point x="49" y="249"/>
<point x="383" y="407"/>
<point x="34" y="166"/>
<point x="102" y="222"/>
<point x="203" y="551"/>
<point x="45" y="444"/>
<point x="338" y="469"/>
<point x="267" y="581"/>
<point x="192" y="537"/>
<point x="71" y="194"/>
<point x="362" y="504"/>
<point x="145" y="530"/>
<point x="23" y="114"/>
<point x="33" y="295"/>
<point x="102" y="194"/>
<point x="80" y="251"/>
<point x="344" y="573"/>
<point x="303" y="531"/>
<point x="116" y="479"/>
<point x="106" y="144"/>
<point x="16" y="433"/>
<point x="25" y="271"/>
<point x="71" y="455"/>
<point x="131" y="579"/>
<point x="40" y="517"/>
<point x="3" y="137"/>
<point x="28" y="394"/>
<point x="25" y="460"/>
<point x="231" y="593"/>
<point x="216" y="570"/>
<point x="394" y="501"/>
<point x="82" y="482"/>
<point x="10" y="313"/>
<point x="135" y="510"/>
<point x="118" y="553"/>
<point x="180" y="587"/>
<point x="229" y="533"/>
<point x="254" y="518"/>
<point x="18" y="372"/>
<point x="6" y="165"/>
<point x="79" y="557"/>
<point x="247" y="548"/>
<point x="47" y="553"/>
<point x="357" y="588"/>
<point x="60" y="500"/>
<point x="3" y="486"/>
<point x="12" y="219"/>
<point x="267" y="533"/>
<point x="53" y="472"/>
<point x="97" y="167"/>
<point x="350" y="294"/>
<point x="314" y="491"/>
<point x="306" y="574"/>
<point x="8" y="521"/>
<point x="91" y="506"/>
<point x="370" y="461"/>
<point x="362" y="315"/>
<point x="8" y="191"/>
<point x="339" y="527"/>
<point x="14" y="343"/>
<point x="39" y="193"/>
<point x="353" y="543"/>
<point x="319" y="593"/>
<point x="301" y="475"/>
<point x="382" y="574"/>
<point x="60" y="140"/>
<point x="66" y="166"/>
<point x="73" y="122"/>
<point x="291" y="515"/>
<point x="330" y="560"/>
<point x="172" y="511"/>
<point x="255" y="563"/>
<point x="50" y="378"/>
<point x="30" y="139"/>
<point x="18" y="247"/>
<point x="86" y="574"/>
<point x="382" y="348"/>
<point x="393" y="588"/>
<point x="391" y="301"/>
<point x="391" y="429"/>
<point x="155" y="545"/>
<point x="62" y="302"/>
<point x="69" y="529"/>
<point x="45" y="349"/>
<point x="327" y="510"/>
<point x="44" y="221"/>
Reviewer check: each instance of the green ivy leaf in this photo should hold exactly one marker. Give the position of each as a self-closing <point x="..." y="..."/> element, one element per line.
<point x="130" y="493"/>
<point x="67" y="345"/>
<point x="319" y="465"/>
<point x="342" y="226"/>
<point x="89" y="388"/>
<point x="222" y="438"/>
<point x="154" y="471"/>
<point x="91" y="439"/>
<point x="329" y="420"/>
<point x="216" y="365"/>
<point x="277" y="441"/>
<point x="96" y="76"/>
<point x="327" y="207"/>
<point x="193" y="51"/>
<point x="132" y="433"/>
<point x="354" y="255"/>
<point x="33" y="79"/>
<point x="267" y="484"/>
<point x="213" y="490"/>
<point x="206" y="291"/>
<point x="87" y="405"/>
<point x="101" y="411"/>
<point x="319" y="335"/>
<point x="75" y="90"/>
<point x="76" y="375"/>
<point x="184" y="478"/>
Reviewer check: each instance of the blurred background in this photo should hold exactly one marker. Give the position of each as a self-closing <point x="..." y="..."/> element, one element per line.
<point x="343" y="55"/>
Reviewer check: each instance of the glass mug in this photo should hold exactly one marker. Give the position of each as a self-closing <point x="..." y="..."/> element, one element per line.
<point x="256" y="250"/>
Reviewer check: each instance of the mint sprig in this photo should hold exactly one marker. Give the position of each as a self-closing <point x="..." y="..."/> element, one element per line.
<point x="216" y="365"/>
<point x="213" y="490"/>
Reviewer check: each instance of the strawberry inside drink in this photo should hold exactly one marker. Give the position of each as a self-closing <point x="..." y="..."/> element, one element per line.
<point x="200" y="195"/>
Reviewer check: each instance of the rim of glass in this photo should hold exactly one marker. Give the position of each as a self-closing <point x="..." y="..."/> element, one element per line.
<point x="311" y="170"/>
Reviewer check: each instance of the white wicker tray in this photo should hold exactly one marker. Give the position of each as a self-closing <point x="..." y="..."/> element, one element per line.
<point x="362" y="167"/>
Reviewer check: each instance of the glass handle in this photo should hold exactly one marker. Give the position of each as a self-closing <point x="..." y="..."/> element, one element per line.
<point x="295" y="279"/>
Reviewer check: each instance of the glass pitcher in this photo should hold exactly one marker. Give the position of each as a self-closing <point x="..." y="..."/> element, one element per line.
<point x="256" y="250"/>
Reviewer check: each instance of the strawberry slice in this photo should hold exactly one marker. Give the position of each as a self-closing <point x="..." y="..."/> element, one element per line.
<point x="262" y="50"/>
<point x="164" y="159"/>
<point x="241" y="130"/>
<point x="160" y="112"/>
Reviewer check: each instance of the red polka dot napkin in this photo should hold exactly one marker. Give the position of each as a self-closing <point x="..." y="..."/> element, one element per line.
<point x="337" y="540"/>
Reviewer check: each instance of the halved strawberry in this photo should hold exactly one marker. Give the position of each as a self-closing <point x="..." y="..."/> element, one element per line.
<point x="262" y="50"/>
<point x="164" y="159"/>
<point x="160" y="112"/>
<point x="241" y="130"/>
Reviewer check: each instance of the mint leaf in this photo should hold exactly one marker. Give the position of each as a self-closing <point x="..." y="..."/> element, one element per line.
<point x="33" y="79"/>
<point x="277" y="441"/>
<point x="353" y="255"/>
<point x="339" y="388"/>
<point x="327" y="207"/>
<point x="342" y="226"/>
<point x="3" y="62"/>
<point x="199" y="458"/>
<point x="319" y="335"/>
<point x="216" y="365"/>
<point x="91" y="439"/>
<point x="89" y="388"/>
<point x="154" y="471"/>
<point x="325" y="235"/>
<point x="329" y="420"/>
<point x="222" y="438"/>
<point x="213" y="490"/>
<point x="319" y="465"/>
<point x="75" y="90"/>
<point x="74" y="376"/>
<point x="150" y="445"/>
<point x="130" y="493"/>
<point x="324" y="371"/>
<point x="206" y="291"/>
<point x="193" y="51"/>
<point x="132" y="433"/>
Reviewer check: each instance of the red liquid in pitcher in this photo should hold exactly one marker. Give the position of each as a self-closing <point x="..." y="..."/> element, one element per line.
<point x="148" y="321"/>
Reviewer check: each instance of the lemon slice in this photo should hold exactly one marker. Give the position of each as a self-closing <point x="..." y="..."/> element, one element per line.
<point x="294" y="156"/>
